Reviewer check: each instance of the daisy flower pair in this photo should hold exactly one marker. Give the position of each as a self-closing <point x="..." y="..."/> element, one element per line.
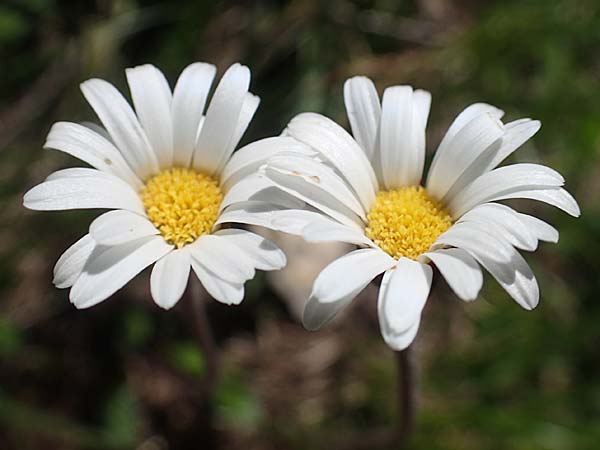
<point x="169" y="174"/>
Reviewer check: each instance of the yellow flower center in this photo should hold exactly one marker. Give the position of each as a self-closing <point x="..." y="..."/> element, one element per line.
<point x="406" y="221"/>
<point x="182" y="204"/>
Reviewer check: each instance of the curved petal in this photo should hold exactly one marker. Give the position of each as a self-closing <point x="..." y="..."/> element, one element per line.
<point x="71" y="262"/>
<point x="221" y="122"/>
<point x="455" y="156"/>
<point x="364" y="111"/>
<point x="337" y="147"/>
<point x="108" y="269"/>
<point x="221" y="290"/>
<point x="222" y="257"/>
<point x="515" y="134"/>
<point x="90" y="188"/>
<point x="119" y="227"/>
<point x="461" y="271"/>
<point x="402" y="297"/>
<point x="329" y="296"/>
<point x="122" y="124"/>
<point x="189" y="99"/>
<point x="501" y="182"/>
<point x="540" y="229"/>
<point x="504" y="221"/>
<point x="555" y="196"/>
<point x="152" y="98"/>
<point x="88" y="146"/>
<point x="264" y="253"/>
<point x="249" y="158"/>
<point x="169" y="278"/>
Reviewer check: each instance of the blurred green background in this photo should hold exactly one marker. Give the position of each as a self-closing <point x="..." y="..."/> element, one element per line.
<point x="124" y="375"/>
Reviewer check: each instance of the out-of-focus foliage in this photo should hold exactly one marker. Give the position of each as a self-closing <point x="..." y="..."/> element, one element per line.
<point x="125" y="374"/>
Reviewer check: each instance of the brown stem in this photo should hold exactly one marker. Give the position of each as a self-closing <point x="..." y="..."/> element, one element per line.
<point x="407" y="394"/>
<point x="204" y="333"/>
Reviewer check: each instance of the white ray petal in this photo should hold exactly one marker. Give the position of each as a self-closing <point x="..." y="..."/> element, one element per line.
<point x="119" y="227"/>
<point x="402" y="296"/>
<point x="249" y="158"/>
<point x="189" y="99"/>
<point x="108" y="269"/>
<point x="221" y="120"/>
<point x="221" y="290"/>
<point x="455" y="156"/>
<point x="505" y="221"/>
<point x="71" y="262"/>
<point x="249" y="107"/>
<point x="169" y="278"/>
<point x="337" y="147"/>
<point x="264" y="253"/>
<point x="222" y="257"/>
<point x="90" y="188"/>
<point x="364" y="110"/>
<point x="555" y="196"/>
<point x="406" y="294"/>
<point x="399" y="154"/>
<point x="461" y="271"/>
<point x="540" y="229"/>
<point x="152" y="98"/>
<point x="122" y="124"/>
<point x="329" y="296"/>
<point x="502" y="182"/>
<point x="314" y="195"/>
<point x="466" y="116"/>
<point x="516" y="134"/>
<point x="88" y="146"/>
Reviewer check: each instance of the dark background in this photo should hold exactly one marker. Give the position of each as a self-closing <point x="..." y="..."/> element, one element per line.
<point x="126" y="375"/>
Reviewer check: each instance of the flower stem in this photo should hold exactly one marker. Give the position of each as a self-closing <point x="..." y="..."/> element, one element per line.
<point x="407" y="394"/>
<point x="204" y="333"/>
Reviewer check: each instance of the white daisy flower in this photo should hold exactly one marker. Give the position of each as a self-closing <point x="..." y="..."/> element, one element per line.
<point x="367" y="191"/>
<point x="163" y="170"/>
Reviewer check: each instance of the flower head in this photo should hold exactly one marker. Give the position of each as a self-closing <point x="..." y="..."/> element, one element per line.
<point x="368" y="191"/>
<point x="165" y="172"/>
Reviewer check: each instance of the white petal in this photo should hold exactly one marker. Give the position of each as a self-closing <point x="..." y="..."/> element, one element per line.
<point x="94" y="189"/>
<point x="402" y="296"/>
<point x="222" y="257"/>
<point x="152" y="98"/>
<point x="505" y="221"/>
<point x="554" y="196"/>
<point x="169" y="278"/>
<point x="83" y="143"/>
<point x="364" y="110"/>
<point x="468" y="114"/>
<point x="119" y="227"/>
<point x="221" y="122"/>
<point x="516" y="134"/>
<point x="71" y="262"/>
<point x="249" y="158"/>
<point x="264" y="253"/>
<point x="318" y="178"/>
<point x="461" y="271"/>
<point x="337" y="147"/>
<point x="329" y="295"/>
<point x="474" y="237"/>
<point x="245" y="189"/>
<point x="540" y="229"/>
<point x="400" y="155"/>
<point x="455" y="156"/>
<point x="325" y="230"/>
<point x="189" y="99"/>
<point x="514" y="276"/>
<point x="502" y="182"/>
<point x="310" y="191"/>
<point x="221" y="290"/>
<point x="249" y="107"/>
<point x="121" y="122"/>
<point x="421" y="106"/>
<point x="356" y="268"/>
<point x="406" y="294"/>
<point x="108" y="269"/>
